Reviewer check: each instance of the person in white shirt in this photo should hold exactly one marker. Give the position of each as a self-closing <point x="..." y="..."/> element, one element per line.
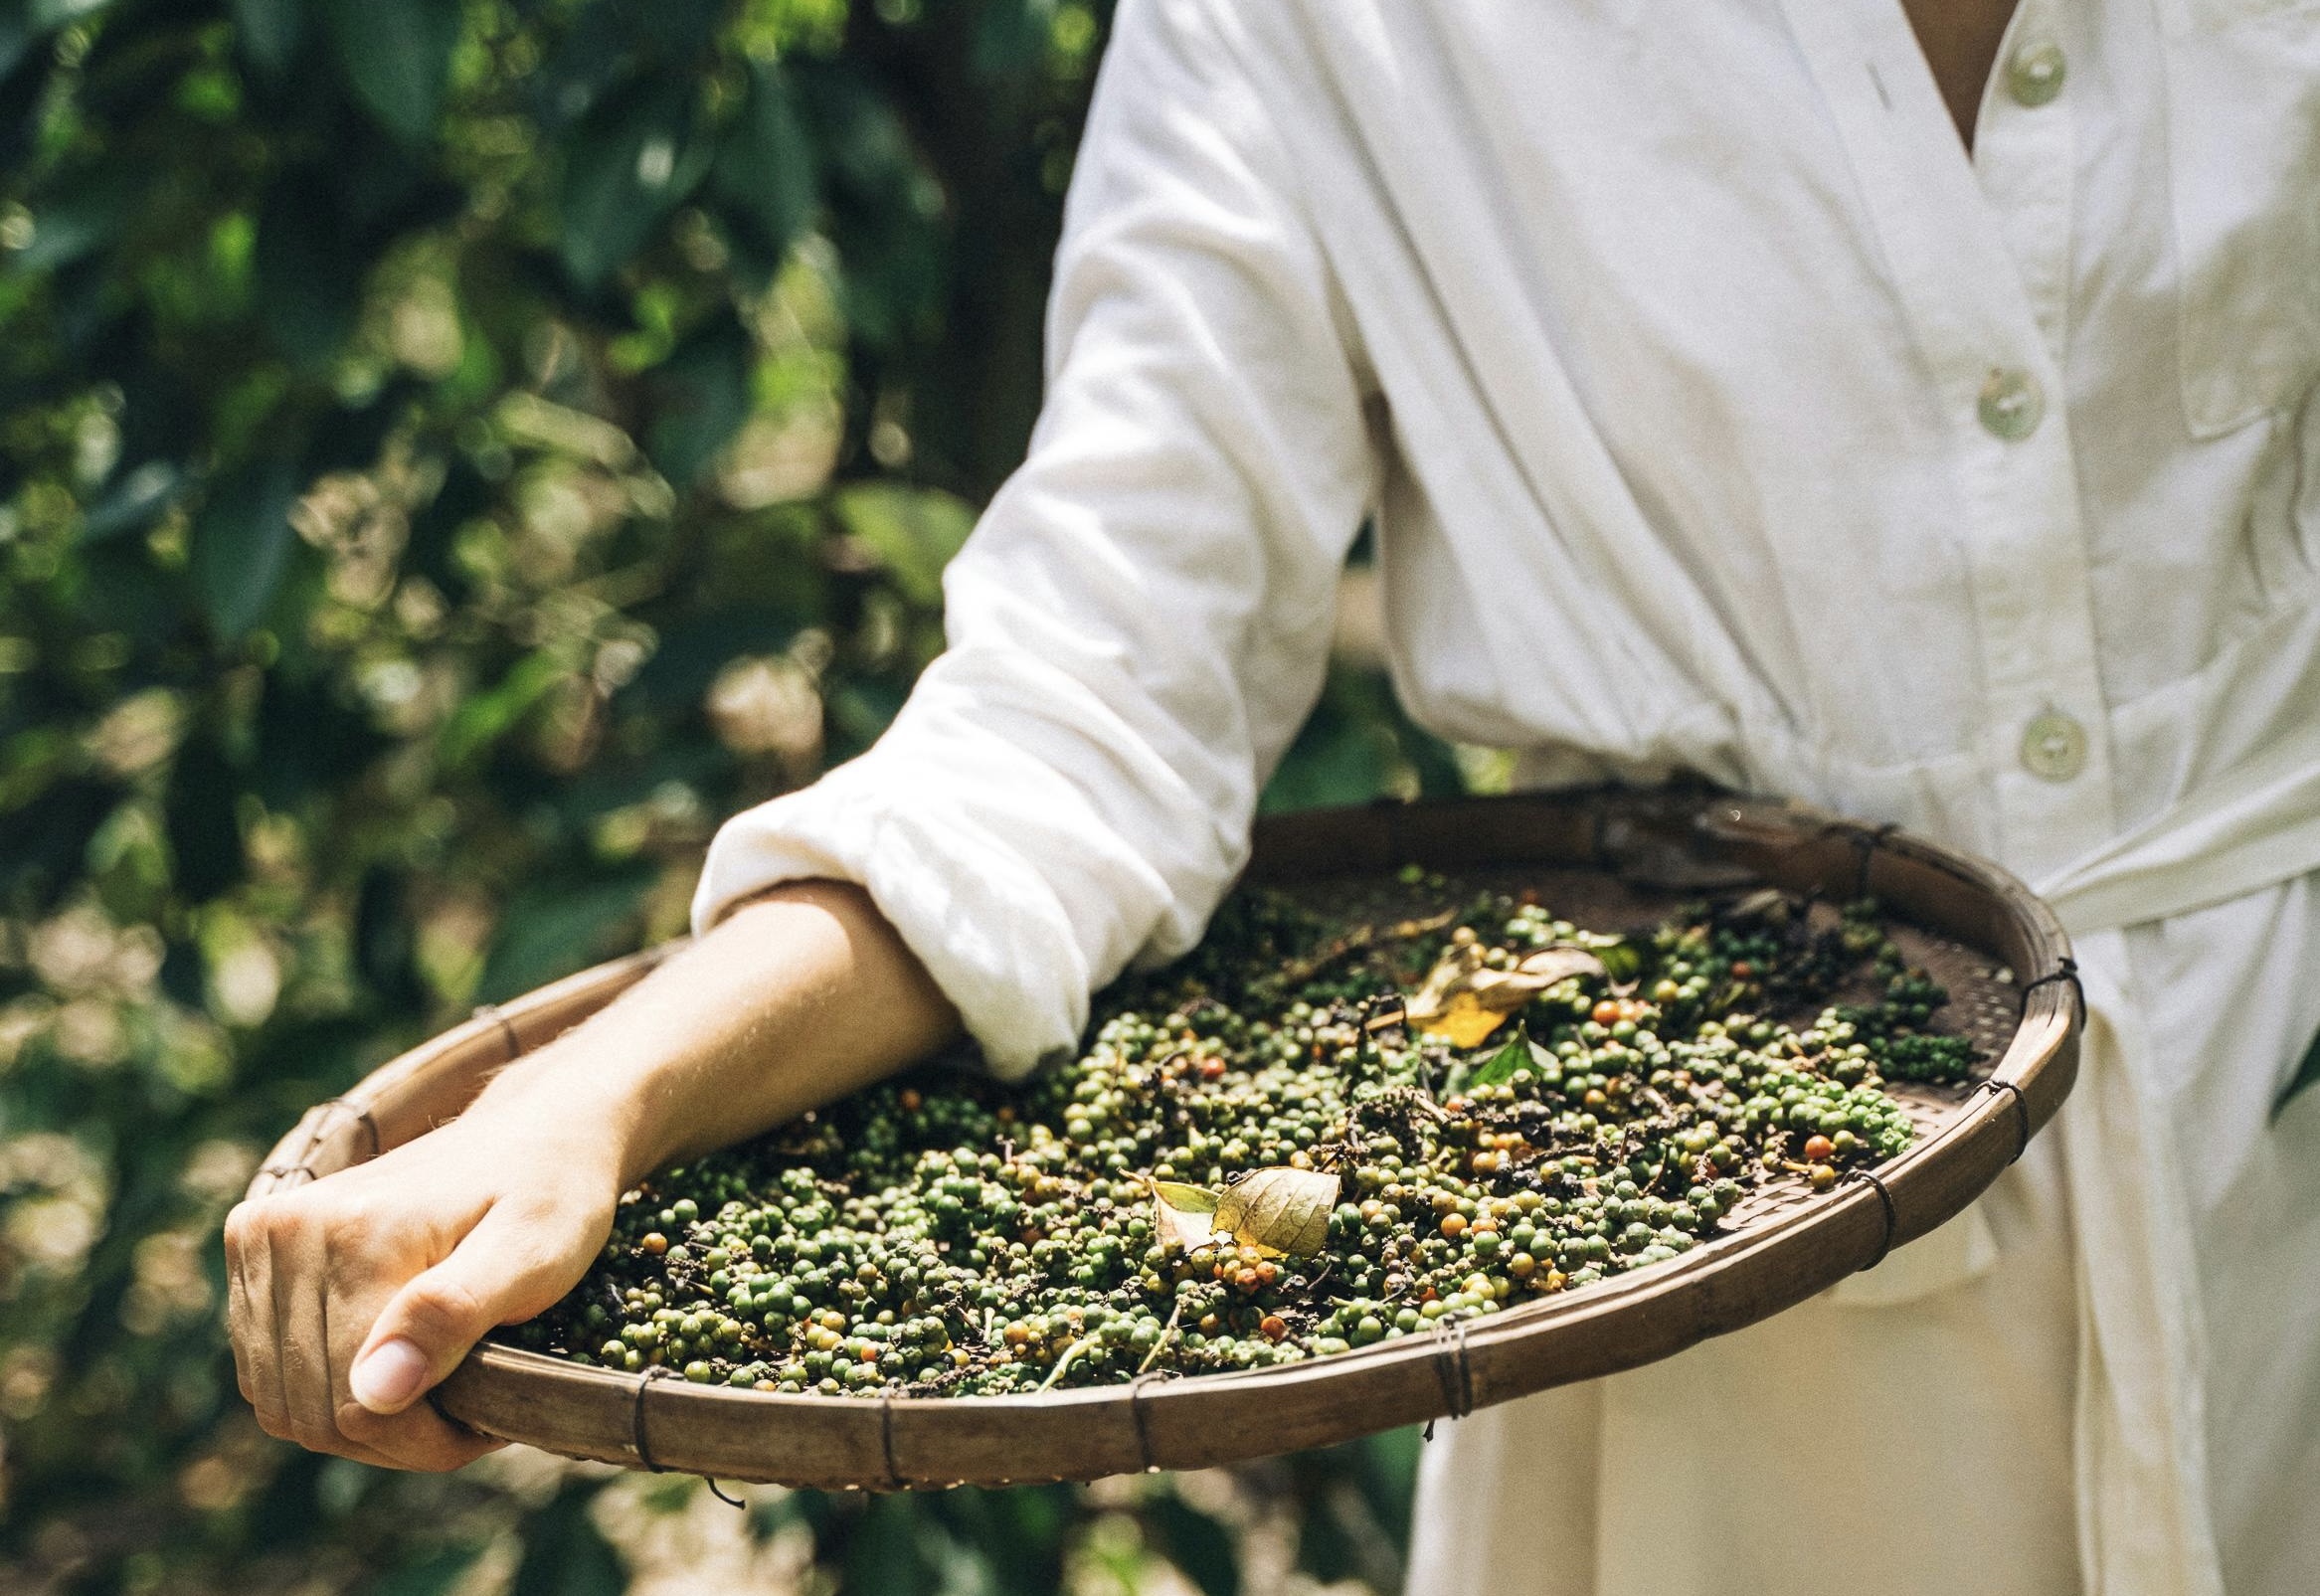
<point x="1916" y="422"/>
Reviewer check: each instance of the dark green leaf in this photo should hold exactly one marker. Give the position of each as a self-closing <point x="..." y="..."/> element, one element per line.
<point x="629" y="167"/>
<point x="241" y="541"/>
<point x="2307" y="1075"/>
<point x="887" y="1555"/>
<point x="565" y="1554"/>
<point x="552" y="931"/>
<point x="197" y="817"/>
<point x="269" y="31"/>
<point x="397" y="54"/>
<point x="79" y="221"/>
<point x="436" y="1574"/>
<point x="1203" y="1550"/>
<point x="764" y="177"/>
<point x="309" y="288"/>
<point x="700" y="397"/>
<point x="132" y="500"/>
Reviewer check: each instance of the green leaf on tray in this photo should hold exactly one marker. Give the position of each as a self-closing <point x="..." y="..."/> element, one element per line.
<point x="1520" y="1053"/>
<point x="1181" y="1215"/>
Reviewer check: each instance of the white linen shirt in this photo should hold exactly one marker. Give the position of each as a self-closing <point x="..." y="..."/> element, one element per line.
<point x="1715" y="412"/>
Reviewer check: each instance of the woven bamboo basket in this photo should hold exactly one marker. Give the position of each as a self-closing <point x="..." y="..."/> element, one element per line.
<point x="1604" y="858"/>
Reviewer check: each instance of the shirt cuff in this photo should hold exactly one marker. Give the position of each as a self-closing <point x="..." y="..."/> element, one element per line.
<point x="988" y="928"/>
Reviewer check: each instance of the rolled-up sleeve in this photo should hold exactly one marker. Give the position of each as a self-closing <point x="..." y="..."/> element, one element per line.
<point x="1141" y="618"/>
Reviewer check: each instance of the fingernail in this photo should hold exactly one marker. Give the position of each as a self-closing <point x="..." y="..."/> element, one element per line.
<point x="386" y="1378"/>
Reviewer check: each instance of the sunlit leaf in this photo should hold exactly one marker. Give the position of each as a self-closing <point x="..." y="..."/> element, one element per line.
<point x="1282" y="1209"/>
<point x="913" y="531"/>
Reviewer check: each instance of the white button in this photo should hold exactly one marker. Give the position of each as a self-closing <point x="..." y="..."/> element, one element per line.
<point x="2053" y="746"/>
<point x="2011" y="403"/>
<point x="2033" y="74"/>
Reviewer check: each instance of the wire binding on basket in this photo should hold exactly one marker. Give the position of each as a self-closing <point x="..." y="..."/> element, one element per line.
<point x="1892" y="1219"/>
<point x="498" y="1015"/>
<point x="657" y="1371"/>
<point x="2021" y="1114"/>
<point x="1144" y="1462"/>
<point x="894" y="1479"/>
<point x="1453" y="1371"/>
<point x="2066" y="970"/>
<point x="1866" y="841"/>
<point x="362" y="1118"/>
<point x="717" y="1491"/>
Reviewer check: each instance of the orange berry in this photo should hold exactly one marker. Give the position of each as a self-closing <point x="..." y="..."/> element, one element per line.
<point x="1454" y="1224"/>
<point x="1818" y="1149"/>
<point x="655" y="1243"/>
<point x="1274" y="1327"/>
<point x="1606" y="1013"/>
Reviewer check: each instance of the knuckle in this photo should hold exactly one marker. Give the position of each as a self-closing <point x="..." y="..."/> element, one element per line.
<point x="445" y="1305"/>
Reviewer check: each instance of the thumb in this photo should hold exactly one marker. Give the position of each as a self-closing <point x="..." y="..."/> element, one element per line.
<point x="498" y="1274"/>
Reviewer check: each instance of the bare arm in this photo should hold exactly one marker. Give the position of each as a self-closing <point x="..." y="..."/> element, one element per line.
<point x="354" y="1294"/>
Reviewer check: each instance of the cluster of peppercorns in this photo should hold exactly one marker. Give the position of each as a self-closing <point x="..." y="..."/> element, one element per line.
<point x="1260" y="1155"/>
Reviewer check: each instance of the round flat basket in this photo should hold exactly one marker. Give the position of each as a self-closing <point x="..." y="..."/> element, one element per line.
<point x="1602" y="858"/>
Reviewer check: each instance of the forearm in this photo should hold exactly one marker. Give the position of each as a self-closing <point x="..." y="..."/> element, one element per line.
<point x="794" y="1000"/>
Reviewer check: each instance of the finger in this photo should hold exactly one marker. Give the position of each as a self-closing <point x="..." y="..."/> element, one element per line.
<point x="300" y="1277"/>
<point x="237" y="1323"/>
<point x="260" y="1338"/>
<point x="502" y="1271"/>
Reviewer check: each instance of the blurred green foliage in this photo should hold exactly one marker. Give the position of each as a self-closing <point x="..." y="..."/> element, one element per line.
<point x="451" y="451"/>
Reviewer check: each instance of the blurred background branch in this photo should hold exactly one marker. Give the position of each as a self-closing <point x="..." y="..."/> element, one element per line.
<point x="451" y="453"/>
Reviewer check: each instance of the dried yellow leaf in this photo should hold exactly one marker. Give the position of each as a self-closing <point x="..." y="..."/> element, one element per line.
<point x="1280" y="1209"/>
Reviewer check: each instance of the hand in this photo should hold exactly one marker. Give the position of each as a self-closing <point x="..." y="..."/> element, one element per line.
<point x="354" y="1294"/>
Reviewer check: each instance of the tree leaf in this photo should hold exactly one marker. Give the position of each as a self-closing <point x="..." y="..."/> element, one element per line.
<point x="764" y="178"/>
<point x="269" y="31"/>
<point x="1283" y="1209"/>
<point x="396" y="55"/>
<point x="1181" y="1215"/>
<point x="241" y="541"/>
<point x="309" y="287"/>
<point x="913" y="531"/>
<point x="700" y="397"/>
<point x="629" y="165"/>
<point x="130" y="504"/>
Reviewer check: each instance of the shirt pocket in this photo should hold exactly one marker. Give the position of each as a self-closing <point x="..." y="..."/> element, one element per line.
<point x="2244" y="137"/>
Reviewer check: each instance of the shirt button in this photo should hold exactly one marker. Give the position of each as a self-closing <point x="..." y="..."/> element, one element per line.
<point x="2011" y="403"/>
<point x="2033" y="74"/>
<point x="2053" y="746"/>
